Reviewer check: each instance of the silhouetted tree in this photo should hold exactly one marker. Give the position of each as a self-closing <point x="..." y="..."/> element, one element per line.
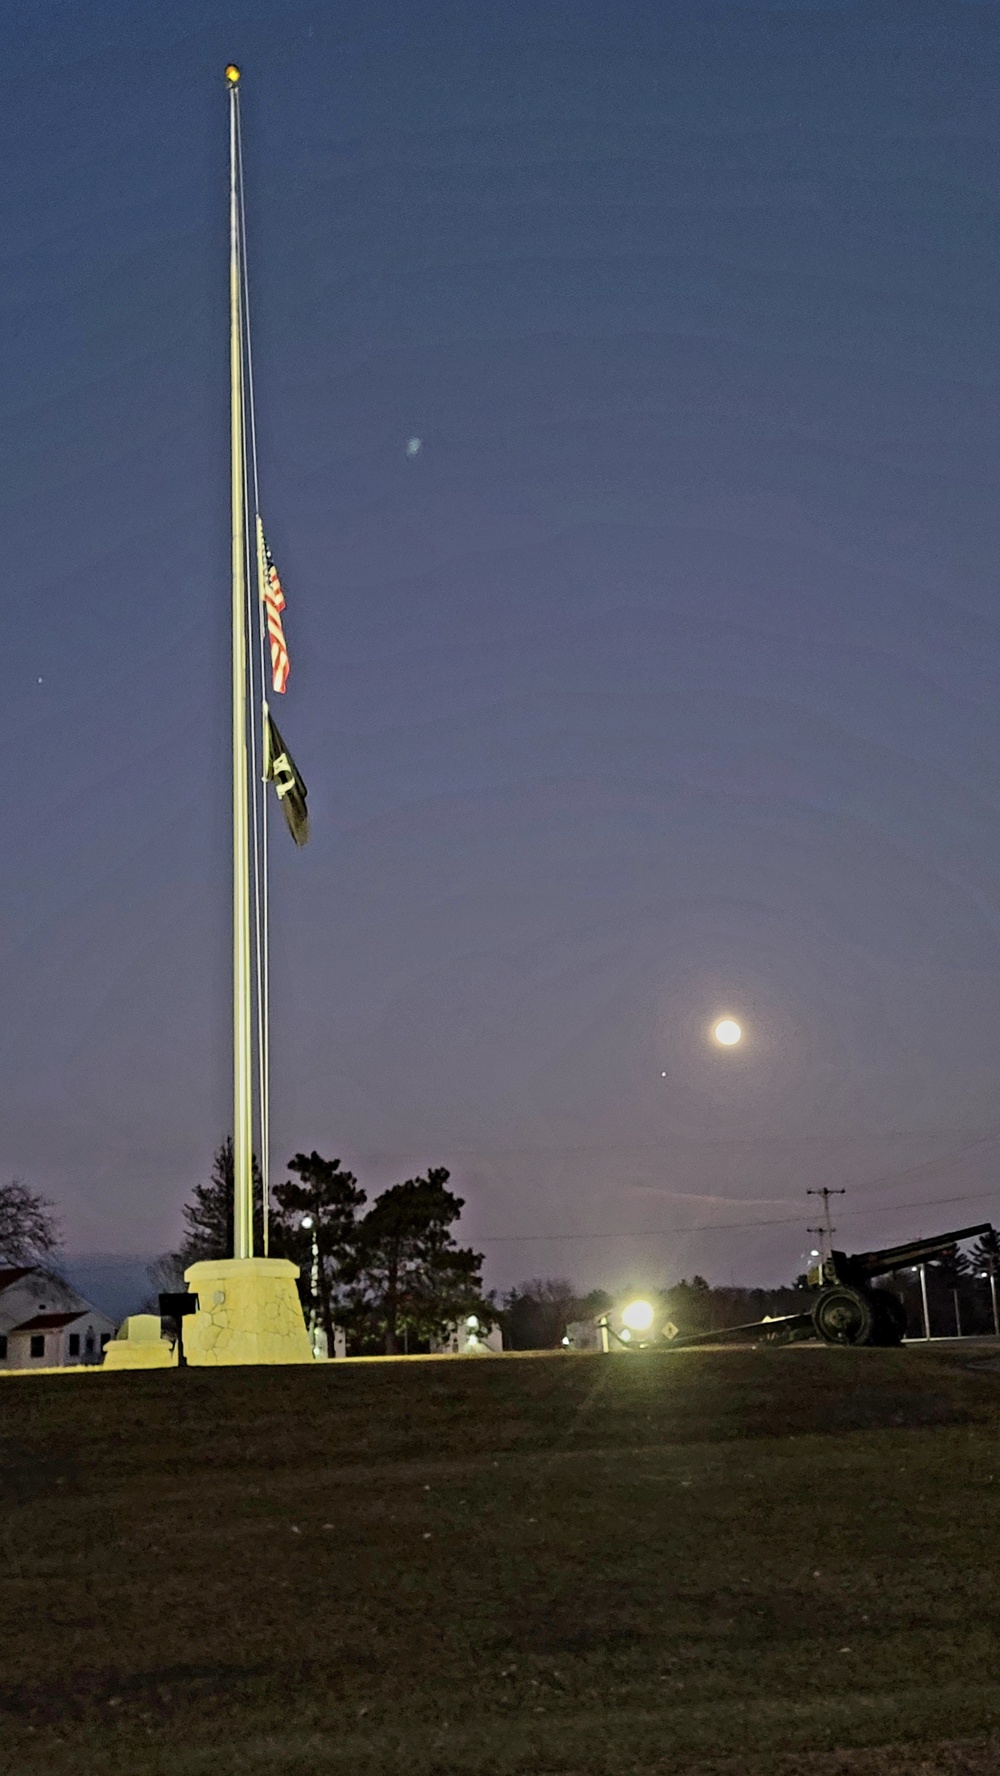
<point x="209" y="1215"/>
<point x="535" y="1315"/>
<point x="985" y="1254"/>
<point x="29" y="1229"/>
<point x="331" y="1197"/>
<point x="408" y="1274"/>
<point x="697" y="1306"/>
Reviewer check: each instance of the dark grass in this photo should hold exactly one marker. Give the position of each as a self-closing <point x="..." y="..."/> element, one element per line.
<point x="711" y="1560"/>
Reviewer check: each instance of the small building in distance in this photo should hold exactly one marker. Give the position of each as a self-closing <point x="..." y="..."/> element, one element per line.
<point x="46" y="1324"/>
<point x="468" y="1339"/>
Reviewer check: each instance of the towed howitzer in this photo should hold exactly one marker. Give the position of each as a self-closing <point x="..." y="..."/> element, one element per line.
<point x="848" y="1309"/>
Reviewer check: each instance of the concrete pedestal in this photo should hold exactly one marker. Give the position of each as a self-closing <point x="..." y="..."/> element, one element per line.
<point x="248" y="1312"/>
<point x="140" y="1345"/>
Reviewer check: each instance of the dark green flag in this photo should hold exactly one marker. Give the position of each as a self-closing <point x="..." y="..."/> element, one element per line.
<point x="281" y="770"/>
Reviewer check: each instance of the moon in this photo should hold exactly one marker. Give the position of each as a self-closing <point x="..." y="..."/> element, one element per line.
<point x="728" y="1032"/>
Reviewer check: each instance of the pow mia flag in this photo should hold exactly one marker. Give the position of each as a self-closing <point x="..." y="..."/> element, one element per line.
<point x="281" y="770"/>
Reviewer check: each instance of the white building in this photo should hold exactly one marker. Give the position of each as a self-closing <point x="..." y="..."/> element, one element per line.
<point x="468" y="1339"/>
<point x="45" y="1324"/>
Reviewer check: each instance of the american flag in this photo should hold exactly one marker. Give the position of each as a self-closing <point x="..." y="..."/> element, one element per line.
<point x="274" y="604"/>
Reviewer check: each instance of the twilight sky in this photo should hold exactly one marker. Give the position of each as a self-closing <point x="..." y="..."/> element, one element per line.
<point x="659" y="682"/>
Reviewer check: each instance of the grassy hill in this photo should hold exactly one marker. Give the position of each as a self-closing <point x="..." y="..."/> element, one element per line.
<point x="730" y="1561"/>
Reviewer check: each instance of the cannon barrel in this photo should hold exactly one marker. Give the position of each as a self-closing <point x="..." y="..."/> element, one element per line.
<point x="859" y="1267"/>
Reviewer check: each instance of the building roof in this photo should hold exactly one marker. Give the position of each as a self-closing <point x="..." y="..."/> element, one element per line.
<point x="14" y="1273"/>
<point x="50" y="1322"/>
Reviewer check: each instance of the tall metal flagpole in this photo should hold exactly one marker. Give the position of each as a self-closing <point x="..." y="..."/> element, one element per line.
<point x="242" y="982"/>
<point x="246" y="1309"/>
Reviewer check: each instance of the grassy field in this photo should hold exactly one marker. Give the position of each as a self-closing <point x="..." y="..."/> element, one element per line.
<point x="711" y="1561"/>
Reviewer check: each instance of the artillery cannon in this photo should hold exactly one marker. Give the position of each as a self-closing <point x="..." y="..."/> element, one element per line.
<point x="849" y="1309"/>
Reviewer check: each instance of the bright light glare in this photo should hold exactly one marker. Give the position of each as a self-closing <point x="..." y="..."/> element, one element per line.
<point x="472" y="1323"/>
<point x="727" y="1031"/>
<point x="306" y="1222"/>
<point x="638" y="1316"/>
<point x="626" y="1336"/>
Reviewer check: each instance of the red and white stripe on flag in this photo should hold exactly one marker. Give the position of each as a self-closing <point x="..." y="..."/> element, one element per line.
<point x="274" y="604"/>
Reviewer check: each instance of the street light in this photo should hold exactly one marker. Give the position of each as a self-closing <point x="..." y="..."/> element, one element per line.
<point x="992" y="1274"/>
<point x="920" y="1270"/>
<point x="638" y="1316"/>
<point x="308" y="1224"/>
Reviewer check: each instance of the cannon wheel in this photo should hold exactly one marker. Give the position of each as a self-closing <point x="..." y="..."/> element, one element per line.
<point x="890" y="1317"/>
<point x="843" y="1315"/>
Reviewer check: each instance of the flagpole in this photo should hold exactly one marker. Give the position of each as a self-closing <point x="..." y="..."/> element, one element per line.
<point x="242" y="984"/>
<point x="247" y="1309"/>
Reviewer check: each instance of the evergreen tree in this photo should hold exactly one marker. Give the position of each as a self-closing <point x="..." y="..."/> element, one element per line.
<point x="331" y="1197"/>
<point x="985" y="1254"/>
<point x="409" y="1276"/>
<point x="209" y="1215"/>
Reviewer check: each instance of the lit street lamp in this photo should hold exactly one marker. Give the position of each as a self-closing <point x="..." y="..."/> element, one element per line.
<point x="921" y="1270"/>
<point x="636" y="1316"/>
<point x="316" y="1337"/>
<point x="992" y="1275"/>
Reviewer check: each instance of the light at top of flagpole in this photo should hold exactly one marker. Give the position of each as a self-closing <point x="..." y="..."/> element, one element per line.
<point x="232" y="74"/>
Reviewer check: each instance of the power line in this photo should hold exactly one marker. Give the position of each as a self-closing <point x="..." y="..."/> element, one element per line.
<point x="494" y="1239"/>
<point x="483" y="1149"/>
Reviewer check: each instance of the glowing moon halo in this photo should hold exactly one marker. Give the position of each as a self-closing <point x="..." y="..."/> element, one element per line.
<point x="728" y="1032"/>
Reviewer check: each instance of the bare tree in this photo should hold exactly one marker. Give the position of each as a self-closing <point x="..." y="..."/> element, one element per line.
<point x="29" y="1229"/>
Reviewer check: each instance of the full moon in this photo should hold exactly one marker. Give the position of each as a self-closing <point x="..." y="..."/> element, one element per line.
<point x="727" y="1031"/>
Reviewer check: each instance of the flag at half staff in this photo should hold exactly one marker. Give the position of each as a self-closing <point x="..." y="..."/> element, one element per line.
<point x="274" y="604"/>
<point x="281" y="770"/>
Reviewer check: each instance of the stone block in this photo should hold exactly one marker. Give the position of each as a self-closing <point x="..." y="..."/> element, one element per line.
<point x="140" y="1344"/>
<point x="248" y="1312"/>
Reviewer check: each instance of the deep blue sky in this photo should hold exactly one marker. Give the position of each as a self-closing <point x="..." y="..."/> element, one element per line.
<point x="660" y="682"/>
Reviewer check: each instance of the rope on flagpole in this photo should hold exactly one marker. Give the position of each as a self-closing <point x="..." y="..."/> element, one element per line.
<point x="260" y="845"/>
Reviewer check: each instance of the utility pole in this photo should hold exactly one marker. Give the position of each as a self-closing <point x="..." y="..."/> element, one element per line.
<point x="827" y="1231"/>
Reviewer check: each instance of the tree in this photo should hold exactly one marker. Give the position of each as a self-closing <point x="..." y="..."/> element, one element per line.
<point x="29" y="1229"/>
<point x="331" y="1197"/>
<point x="408" y="1274"/>
<point x="209" y="1215"/>
<point x="985" y="1254"/>
<point x="536" y="1314"/>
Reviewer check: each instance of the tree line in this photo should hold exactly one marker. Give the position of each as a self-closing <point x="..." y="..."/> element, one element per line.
<point x="389" y="1274"/>
<point x="535" y="1315"/>
<point x="393" y="1277"/>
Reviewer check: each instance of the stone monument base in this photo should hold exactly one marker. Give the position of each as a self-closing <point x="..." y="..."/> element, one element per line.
<point x="248" y="1312"/>
<point x="140" y="1344"/>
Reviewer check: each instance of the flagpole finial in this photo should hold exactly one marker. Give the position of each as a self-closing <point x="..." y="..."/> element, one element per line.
<point x="232" y="74"/>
